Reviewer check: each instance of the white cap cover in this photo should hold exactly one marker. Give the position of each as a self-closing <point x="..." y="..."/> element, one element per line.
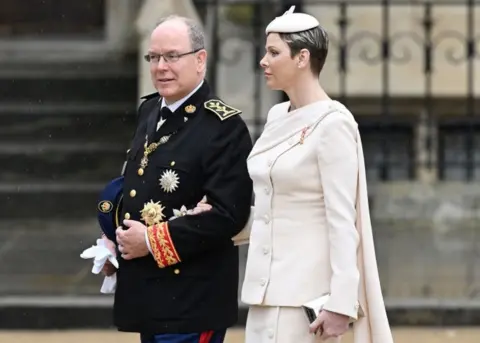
<point x="291" y="22"/>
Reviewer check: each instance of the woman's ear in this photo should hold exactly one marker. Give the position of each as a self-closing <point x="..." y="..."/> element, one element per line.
<point x="303" y="58"/>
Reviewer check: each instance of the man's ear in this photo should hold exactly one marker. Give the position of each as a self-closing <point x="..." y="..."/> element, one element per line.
<point x="202" y="59"/>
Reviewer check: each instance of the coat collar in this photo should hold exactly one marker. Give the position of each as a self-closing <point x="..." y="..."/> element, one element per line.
<point x="282" y="125"/>
<point x="181" y="115"/>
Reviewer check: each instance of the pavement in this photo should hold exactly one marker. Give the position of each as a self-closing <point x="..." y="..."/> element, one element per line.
<point x="401" y="335"/>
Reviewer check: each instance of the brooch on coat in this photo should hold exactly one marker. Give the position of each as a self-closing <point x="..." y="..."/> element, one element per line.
<point x="302" y="136"/>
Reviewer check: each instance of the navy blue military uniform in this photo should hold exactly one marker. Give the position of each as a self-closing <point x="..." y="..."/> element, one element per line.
<point x="190" y="283"/>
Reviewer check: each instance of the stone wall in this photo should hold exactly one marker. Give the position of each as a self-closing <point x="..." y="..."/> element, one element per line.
<point x="427" y="238"/>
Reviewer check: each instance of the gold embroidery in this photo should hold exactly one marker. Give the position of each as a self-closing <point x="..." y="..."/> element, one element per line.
<point x="151" y="233"/>
<point x="222" y="110"/>
<point x="162" y="246"/>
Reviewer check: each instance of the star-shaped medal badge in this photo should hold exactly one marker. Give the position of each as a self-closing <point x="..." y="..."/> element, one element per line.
<point x="152" y="213"/>
<point x="169" y="181"/>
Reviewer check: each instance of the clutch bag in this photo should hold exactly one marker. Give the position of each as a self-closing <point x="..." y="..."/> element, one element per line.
<point x="313" y="308"/>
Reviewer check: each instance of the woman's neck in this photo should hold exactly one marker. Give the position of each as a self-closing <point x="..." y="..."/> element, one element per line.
<point x="306" y="92"/>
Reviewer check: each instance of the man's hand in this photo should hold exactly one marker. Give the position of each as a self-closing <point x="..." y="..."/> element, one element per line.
<point x="131" y="242"/>
<point x="108" y="268"/>
<point x="330" y="325"/>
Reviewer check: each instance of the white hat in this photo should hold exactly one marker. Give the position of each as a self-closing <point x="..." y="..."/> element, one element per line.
<point x="291" y="22"/>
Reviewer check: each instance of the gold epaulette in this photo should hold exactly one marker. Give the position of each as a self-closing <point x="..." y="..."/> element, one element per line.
<point x="222" y="110"/>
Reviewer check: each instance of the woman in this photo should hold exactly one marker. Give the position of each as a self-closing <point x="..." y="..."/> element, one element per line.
<point x="311" y="232"/>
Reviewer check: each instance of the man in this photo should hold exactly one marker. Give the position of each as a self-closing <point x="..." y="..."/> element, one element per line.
<point x="178" y="272"/>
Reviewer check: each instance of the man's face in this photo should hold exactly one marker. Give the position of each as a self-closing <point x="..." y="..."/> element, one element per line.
<point x="179" y="75"/>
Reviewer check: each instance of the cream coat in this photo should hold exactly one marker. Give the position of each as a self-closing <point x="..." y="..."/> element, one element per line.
<point x="310" y="217"/>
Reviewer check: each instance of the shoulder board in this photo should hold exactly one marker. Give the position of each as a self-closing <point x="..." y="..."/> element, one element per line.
<point x="150" y="96"/>
<point x="222" y="110"/>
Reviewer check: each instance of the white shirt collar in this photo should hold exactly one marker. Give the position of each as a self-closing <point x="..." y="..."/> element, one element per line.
<point x="173" y="107"/>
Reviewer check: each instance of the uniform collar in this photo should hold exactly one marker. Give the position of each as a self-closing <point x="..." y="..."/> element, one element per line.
<point x="185" y="109"/>
<point x="173" y="107"/>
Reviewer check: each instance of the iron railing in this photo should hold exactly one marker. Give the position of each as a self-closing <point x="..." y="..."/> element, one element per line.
<point x="431" y="38"/>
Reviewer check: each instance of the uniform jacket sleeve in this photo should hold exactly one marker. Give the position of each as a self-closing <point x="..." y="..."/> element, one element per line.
<point x="229" y="190"/>
<point x="338" y="164"/>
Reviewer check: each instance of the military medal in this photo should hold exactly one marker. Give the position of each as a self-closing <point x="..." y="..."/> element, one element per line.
<point x="152" y="213"/>
<point x="179" y="213"/>
<point x="148" y="149"/>
<point x="169" y="181"/>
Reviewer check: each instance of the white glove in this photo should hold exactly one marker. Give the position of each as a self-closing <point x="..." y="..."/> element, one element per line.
<point x="100" y="254"/>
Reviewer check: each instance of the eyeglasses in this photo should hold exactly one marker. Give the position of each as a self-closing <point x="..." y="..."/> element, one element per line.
<point x="170" y="57"/>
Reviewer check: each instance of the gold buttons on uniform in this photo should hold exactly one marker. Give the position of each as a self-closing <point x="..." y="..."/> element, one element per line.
<point x="172" y="163"/>
<point x="177" y="271"/>
<point x="127" y="215"/>
<point x="133" y="193"/>
<point x="140" y="171"/>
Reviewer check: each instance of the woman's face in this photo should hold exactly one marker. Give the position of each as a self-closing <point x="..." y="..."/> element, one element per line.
<point x="280" y="69"/>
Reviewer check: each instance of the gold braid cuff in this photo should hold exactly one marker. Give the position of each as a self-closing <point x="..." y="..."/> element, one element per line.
<point x="163" y="249"/>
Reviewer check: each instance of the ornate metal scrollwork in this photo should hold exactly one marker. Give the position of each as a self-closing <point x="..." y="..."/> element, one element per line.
<point x="401" y="54"/>
<point x="406" y="55"/>
<point x="374" y="47"/>
<point x="365" y="54"/>
<point x="451" y="54"/>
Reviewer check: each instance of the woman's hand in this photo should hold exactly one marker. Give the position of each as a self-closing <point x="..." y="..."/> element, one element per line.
<point x="330" y="325"/>
<point x="202" y="206"/>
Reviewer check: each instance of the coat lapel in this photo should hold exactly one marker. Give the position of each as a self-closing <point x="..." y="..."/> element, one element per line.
<point x="183" y="114"/>
<point x="173" y="124"/>
<point x="152" y="121"/>
<point x="296" y="125"/>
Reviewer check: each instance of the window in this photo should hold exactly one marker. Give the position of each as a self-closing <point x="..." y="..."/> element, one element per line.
<point x="389" y="151"/>
<point x="459" y="151"/>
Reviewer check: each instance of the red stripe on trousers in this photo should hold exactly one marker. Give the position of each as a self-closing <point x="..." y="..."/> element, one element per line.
<point x="205" y="337"/>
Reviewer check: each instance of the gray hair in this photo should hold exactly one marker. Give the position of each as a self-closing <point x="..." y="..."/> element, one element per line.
<point x="195" y="32"/>
<point x="314" y="40"/>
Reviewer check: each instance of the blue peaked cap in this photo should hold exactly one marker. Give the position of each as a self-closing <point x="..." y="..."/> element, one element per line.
<point x="109" y="207"/>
